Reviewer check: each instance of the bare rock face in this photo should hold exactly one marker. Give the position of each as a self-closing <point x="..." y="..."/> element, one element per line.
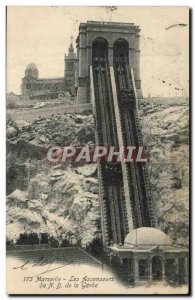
<point x="63" y="200"/>
<point x="58" y="199"/>
<point x="63" y="207"/>
<point x="165" y="132"/>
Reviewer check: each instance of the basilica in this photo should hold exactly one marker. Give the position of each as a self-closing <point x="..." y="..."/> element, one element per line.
<point x="33" y="87"/>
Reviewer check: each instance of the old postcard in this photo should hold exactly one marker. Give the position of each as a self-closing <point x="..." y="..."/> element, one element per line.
<point x="97" y="109"/>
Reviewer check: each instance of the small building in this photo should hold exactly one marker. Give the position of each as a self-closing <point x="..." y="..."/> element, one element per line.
<point x="149" y="255"/>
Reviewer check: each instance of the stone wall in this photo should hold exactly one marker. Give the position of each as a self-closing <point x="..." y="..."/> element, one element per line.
<point x="32" y="114"/>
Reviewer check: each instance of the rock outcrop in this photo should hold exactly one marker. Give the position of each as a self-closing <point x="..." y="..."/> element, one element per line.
<point x="166" y="135"/>
<point x="63" y="200"/>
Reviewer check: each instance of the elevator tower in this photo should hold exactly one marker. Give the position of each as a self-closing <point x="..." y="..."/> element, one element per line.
<point x="110" y="32"/>
<point x="108" y="77"/>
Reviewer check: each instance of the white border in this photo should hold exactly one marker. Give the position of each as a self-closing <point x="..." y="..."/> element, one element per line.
<point x="3" y="4"/>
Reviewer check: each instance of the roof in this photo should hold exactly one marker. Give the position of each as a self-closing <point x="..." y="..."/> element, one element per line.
<point x="110" y="25"/>
<point x="107" y="23"/>
<point x="31" y="66"/>
<point x="146" y="236"/>
<point x="46" y="80"/>
<point x="149" y="249"/>
<point x="52" y="78"/>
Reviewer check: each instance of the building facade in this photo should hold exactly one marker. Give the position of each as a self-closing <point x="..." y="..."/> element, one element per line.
<point x="110" y="32"/>
<point x="34" y="87"/>
<point x="148" y="255"/>
<point x="70" y="68"/>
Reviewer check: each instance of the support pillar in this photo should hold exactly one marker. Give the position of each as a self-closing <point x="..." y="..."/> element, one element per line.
<point x="77" y="66"/>
<point x="136" y="269"/>
<point x="137" y="66"/>
<point x="82" y="72"/>
<point x="110" y="56"/>
<point x="150" y="270"/>
<point x="163" y="270"/>
<point x="176" y="265"/>
<point x="186" y="267"/>
<point x="131" y="57"/>
<point x="89" y="55"/>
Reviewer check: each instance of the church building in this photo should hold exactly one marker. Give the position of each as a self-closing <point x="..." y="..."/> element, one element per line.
<point x="34" y="87"/>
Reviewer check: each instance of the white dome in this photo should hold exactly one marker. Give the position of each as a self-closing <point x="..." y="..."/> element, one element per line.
<point x="31" y="66"/>
<point x="146" y="236"/>
<point x="32" y="70"/>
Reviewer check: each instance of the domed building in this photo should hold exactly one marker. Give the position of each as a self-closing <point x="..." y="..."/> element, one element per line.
<point x="32" y="70"/>
<point x="149" y="255"/>
<point x="34" y="87"/>
<point x="40" y="88"/>
<point x="145" y="236"/>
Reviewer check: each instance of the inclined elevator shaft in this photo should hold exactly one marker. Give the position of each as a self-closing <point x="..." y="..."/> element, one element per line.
<point x="114" y="220"/>
<point x="129" y="122"/>
<point x="124" y="191"/>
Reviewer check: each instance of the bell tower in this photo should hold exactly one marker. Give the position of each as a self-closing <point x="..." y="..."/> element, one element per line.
<point x="70" y="68"/>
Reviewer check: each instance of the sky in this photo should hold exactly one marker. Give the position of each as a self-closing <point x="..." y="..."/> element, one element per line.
<point x="42" y="35"/>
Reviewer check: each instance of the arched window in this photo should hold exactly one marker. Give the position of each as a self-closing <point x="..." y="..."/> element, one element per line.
<point x="28" y="85"/>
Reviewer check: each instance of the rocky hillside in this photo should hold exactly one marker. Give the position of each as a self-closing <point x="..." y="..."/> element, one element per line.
<point x="166" y="134"/>
<point x="54" y="198"/>
<point x="63" y="200"/>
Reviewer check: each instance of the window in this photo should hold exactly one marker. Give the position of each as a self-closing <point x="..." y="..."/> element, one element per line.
<point x="28" y="85"/>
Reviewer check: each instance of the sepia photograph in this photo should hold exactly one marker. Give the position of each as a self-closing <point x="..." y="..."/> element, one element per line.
<point x="97" y="150"/>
